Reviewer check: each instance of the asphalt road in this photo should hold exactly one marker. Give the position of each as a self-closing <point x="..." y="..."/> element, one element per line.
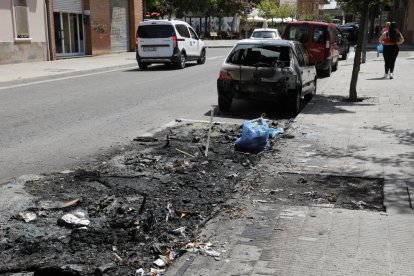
<point x="56" y="125"/>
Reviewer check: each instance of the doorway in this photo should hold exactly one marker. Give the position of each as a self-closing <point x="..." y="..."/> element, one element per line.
<point x="69" y="30"/>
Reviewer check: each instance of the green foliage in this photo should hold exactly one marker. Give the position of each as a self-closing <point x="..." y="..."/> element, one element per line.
<point x="307" y="17"/>
<point x="268" y="9"/>
<point x="328" y="18"/>
<point x="286" y="10"/>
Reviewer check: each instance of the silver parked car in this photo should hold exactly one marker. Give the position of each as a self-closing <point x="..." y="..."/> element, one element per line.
<point x="268" y="70"/>
<point x="265" y="33"/>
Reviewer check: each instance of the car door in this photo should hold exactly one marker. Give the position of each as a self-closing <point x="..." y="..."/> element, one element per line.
<point x="304" y="67"/>
<point x="184" y="38"/>
<point x="194" y="43"/>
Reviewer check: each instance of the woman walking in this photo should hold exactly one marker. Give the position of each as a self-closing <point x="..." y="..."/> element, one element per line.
<point x="391" y="39"/>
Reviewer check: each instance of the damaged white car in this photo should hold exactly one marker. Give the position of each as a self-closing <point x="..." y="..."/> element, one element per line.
<point x="267" y="70"/>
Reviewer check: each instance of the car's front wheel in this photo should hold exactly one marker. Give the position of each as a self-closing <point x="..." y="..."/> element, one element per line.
<point x="224" y="103"/>
<point x="202" y="58"/>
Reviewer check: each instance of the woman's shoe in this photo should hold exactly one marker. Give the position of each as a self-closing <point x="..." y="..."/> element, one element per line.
<point x="391" y="75"/>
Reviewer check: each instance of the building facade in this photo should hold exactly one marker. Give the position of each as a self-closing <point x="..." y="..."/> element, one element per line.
<point x="51" y="29"/>
<point x="23" y="32"/>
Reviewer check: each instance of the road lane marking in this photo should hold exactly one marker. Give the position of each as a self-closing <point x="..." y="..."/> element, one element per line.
<point x="216" y="57"/>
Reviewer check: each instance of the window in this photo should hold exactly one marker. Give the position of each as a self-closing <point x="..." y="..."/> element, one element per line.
<point x="155" y="31"/>
<point x="319" y="34"/>
<point x="259" y="55"/>
<point x="193" y="34"/>
<point x="182" y="30"/>
<point x="299" y="33"/>
<point x="21" y="21"/>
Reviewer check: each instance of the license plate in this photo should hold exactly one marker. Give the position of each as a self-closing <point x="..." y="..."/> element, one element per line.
<point x="149" y="49"/>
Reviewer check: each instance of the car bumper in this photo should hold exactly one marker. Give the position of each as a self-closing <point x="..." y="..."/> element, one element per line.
<point x="176" y="57"/>
<point x="235" y="89"/>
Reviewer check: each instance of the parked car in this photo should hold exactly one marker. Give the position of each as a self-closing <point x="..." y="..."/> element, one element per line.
<point x="267" y="69"/>
<point x="343" y="45"/>
<point x="321" y="41"/>
<point x="350" y="30"/>
<point x="168" y="42"/>
<point x="265" y="33"/>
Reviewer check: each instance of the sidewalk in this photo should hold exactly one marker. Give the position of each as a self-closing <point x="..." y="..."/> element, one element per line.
<point x="372" y="138"/>
<point x="15" y="74"/>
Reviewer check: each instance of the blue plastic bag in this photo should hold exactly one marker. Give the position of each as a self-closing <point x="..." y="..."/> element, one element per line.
<point x="255" y="135"/>
<point x="380" y="48"/>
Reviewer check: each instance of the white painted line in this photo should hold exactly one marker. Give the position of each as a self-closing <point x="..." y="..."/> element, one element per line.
<point x="217" y="57"/>
<point x="63" y="78"/>
<point x="204" y="121"/>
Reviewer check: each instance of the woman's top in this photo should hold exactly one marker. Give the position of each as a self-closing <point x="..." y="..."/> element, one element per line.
<point x="384" y="39"/>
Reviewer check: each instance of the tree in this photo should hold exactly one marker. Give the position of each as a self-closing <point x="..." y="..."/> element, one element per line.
<point x="358" y="7"/>
<point x="353" y="95"/>
<point x="286" y="10"/>
<point x="268" y="9"/>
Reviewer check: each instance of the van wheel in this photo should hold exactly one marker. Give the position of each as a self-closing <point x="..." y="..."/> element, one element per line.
<point x="142" y="65"/>
<point x="344" y="56"/>
<point x="294" y="102"/>
<point x="202" y="58"/>
<point x="181" y="64"/>
<point x="224" y="103"/>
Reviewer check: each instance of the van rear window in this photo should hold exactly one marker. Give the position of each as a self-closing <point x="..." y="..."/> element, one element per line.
<point x="155" y="31"/>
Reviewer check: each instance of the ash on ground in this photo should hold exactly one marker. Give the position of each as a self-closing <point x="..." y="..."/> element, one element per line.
<point x="142" y="206"/>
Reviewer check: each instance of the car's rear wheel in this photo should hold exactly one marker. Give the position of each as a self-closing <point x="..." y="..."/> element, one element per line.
<point x="202" y="58"/>
<point x="224" y="103"/>
<point x="143" y="65"/>
<point x="294" y="102"/>
<point x="308" y="97"/>
<point x="344" y="56"/>
<point x="327" y="72"/>
<point x="181" y="63"/>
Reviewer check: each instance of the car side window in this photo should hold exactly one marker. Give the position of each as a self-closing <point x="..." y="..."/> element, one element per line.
<point x="305" y="54"/>
<point x="319" y="34"/>
<point x="193" y="34"/>
<point x="182" y="30"/>
<point x="299" y="55"/>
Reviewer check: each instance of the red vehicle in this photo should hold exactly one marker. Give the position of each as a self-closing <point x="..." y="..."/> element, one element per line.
<point x="321" y="41"/>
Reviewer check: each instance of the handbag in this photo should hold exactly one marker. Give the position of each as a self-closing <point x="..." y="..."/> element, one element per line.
<point x="380" y="48"/>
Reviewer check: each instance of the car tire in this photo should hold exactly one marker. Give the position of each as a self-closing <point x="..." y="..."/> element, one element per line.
<point x="308" y="97"/>
<point x="224" y="103"/>
<point x="294" y="102"/>
<point x="202" y="58"/>
<point x="143" y="65"/>
<point x="344" y="56"/>
<point x="181" y="63"/>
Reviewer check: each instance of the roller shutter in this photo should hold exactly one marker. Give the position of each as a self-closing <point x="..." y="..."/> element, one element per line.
<point x="69" y="6"/>
<point x="119" y="26"/>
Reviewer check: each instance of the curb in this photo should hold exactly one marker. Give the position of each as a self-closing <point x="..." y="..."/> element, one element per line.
<point x="24" y="81"/>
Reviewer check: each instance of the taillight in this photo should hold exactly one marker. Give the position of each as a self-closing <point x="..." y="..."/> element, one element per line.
<point x="328" y="44"/>
<point x="174" y="39"/>
<point x="224" y="75"/>
<point x="136" y="42"/>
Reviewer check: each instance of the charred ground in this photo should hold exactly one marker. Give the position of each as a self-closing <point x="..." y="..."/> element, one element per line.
<point x="151" y="198"/>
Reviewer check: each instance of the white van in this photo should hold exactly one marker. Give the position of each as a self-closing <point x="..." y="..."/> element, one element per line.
<point x="168" y="42"/>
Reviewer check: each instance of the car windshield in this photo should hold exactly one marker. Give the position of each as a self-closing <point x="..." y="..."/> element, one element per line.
<point x="264" y="34"/>
<point x="259" y="55"/>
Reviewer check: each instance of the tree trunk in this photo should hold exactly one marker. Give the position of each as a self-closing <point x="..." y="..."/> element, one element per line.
<point x="364" y="41"/>
<point x="353" y="96"/>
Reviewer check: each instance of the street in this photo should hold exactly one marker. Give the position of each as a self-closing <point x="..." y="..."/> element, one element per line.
<point x="57" y="124"/>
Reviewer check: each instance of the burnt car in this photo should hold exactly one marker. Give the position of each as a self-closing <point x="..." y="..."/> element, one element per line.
<point x="276" y="70"/>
